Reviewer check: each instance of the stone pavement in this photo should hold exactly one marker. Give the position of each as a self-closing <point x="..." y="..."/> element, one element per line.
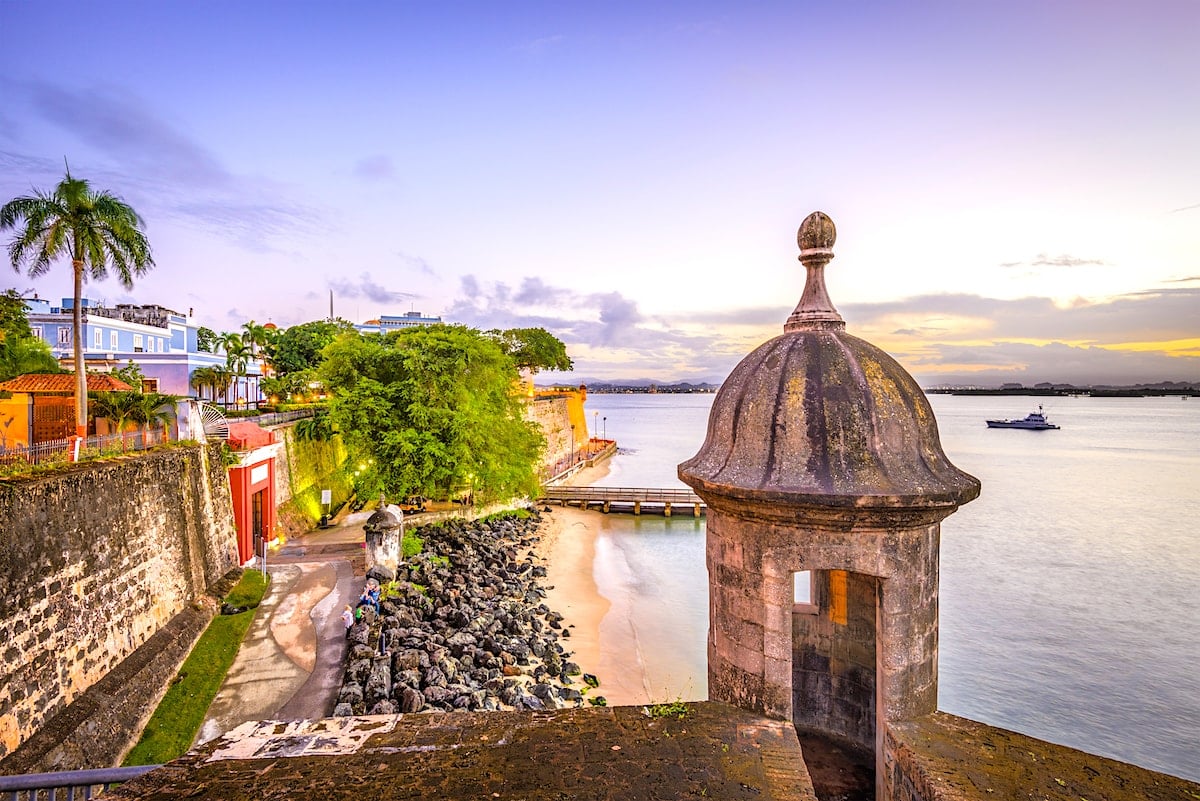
<point x="289" y="666"/>
<point x="714" y="751"/>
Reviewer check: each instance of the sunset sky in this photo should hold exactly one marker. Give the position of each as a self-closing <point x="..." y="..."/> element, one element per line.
<point x="1016" y="185"/>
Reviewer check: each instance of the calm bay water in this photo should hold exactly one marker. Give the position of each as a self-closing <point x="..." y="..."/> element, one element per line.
<point x="1070" y="590"/>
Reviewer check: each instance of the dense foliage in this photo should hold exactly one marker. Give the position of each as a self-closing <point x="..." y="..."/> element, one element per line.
<point x="299" y="348"/>
<point x="432" y="411"/>
<point x="533" y="349"/>
<point x="20" y="351"/>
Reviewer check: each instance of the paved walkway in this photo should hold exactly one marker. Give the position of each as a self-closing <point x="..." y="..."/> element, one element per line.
<point x="289" y="666"/>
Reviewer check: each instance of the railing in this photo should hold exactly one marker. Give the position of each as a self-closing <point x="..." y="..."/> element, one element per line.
<point x="586" y="455"/>
<point x="68" y="785"/>
<point x="277" y="418"/>
<point x="58" y="449"/>
<point x="625" y="494"/>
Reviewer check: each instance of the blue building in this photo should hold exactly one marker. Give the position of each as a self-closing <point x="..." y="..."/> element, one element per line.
<point x="163" y="343"/>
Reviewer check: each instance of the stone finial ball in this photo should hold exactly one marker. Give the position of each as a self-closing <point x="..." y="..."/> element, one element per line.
<point x="817" y="231"/>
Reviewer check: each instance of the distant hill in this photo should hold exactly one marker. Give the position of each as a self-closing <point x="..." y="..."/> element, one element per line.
<point x="1047" y="388"/>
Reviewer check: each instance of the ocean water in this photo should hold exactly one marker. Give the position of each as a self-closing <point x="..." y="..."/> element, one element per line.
<point x="1070" y="590"/>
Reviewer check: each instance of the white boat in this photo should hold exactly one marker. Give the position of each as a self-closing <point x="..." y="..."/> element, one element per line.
<point x="1034" y="421"/>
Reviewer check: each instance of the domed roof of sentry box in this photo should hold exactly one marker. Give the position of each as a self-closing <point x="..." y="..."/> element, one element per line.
<point x="819" y="417"/>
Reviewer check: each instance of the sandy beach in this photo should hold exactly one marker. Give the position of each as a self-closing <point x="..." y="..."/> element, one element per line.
<point x="568" y="546"/>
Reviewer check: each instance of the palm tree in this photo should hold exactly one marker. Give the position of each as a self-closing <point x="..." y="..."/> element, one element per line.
<point x="95" y="229"/>
<point x="154" y="407"/>
<point x="119" y="407"/>
<point x="237" y="354"/>
<point x="255" y="336"/>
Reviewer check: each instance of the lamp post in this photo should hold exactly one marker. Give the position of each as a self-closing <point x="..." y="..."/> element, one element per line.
<point x="605" y="435"/>
<point x="595" y="427"/>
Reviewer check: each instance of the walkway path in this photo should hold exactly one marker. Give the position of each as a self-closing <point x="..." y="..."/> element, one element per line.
<point x="290" y="664"/>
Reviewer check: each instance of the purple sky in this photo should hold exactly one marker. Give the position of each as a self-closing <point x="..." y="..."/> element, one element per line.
<point x="1016" y="185"/>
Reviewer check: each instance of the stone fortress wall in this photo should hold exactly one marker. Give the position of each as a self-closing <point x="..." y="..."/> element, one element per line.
<point x="93" y="562"/>
<point x="562" y="420"/>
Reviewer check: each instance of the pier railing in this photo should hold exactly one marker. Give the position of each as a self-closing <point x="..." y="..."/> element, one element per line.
<point x="625" y="498"/>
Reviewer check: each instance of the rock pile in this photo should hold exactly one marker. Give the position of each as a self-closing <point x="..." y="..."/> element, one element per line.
<point x="462" y="625"/>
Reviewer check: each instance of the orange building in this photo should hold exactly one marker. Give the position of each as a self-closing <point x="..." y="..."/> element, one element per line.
<point x="42" y="406"/>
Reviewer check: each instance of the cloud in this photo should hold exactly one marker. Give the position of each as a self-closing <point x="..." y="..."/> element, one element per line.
<point x="375" y="168"/>
<point x="1191" y="279"/>
<point x="162" y="172"/>
<point x="367" y="287"/>
<point x="535" y="292"/>
<point x="1150" y="315"/>
<point x="1042" y="260"/>
<point x="994" y="364"/>
<point x="418" y="264"/>
<point x="541" y="45"/>
<point x="1185" y="208"/>
<point x="119" y="125"/>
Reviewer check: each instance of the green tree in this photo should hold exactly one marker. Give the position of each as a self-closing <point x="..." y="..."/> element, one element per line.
<point x="20" y="351"/>
<point x="96" y="230"/>
<point x="26" y="355"/>
<point x="533" y="349"/>
<point x="154" y="409"/>
<point x="120" y="408"/>
<point x="237" y="354"/>
<point x="290" y="386"/>
<point x="316" y="428"/>
<point x="206" y="378"/>
<point x="131" y="374"/>
<point x="432" y="411"/>
<point x="299" y="347"/>
<point x="206" y="339"/>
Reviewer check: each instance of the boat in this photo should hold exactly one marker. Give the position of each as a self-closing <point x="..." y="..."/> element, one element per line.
<point x="1034" y="421"/>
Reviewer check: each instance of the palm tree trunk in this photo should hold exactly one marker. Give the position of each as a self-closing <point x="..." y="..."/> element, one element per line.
<point x="77" y="337"/>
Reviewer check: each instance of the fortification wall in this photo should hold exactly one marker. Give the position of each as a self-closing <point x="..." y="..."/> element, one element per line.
<point x="941" y="757"/>
<point x="93" y="562"/>
<point x="561" y="419"/>
<point x="305" y="468"/>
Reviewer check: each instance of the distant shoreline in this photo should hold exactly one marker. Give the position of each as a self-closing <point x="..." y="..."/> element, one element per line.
<point x="1060" y="392"/>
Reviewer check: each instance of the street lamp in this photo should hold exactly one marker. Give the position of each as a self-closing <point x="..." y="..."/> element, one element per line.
<point x="595" y="428"/>
<point x="605" y="435"/>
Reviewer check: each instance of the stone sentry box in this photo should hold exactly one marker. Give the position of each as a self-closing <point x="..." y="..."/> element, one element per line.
<point x="823" y="455"/>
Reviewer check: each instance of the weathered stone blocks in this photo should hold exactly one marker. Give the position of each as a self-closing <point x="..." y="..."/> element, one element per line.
<point x="93" y="561"/>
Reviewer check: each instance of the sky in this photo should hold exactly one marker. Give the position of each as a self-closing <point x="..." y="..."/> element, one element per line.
<point x="1016" y="185"/>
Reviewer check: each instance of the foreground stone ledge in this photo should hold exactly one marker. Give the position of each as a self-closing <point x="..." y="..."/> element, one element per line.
<point x="941" y="757"/>
<point x="714" y="751"/>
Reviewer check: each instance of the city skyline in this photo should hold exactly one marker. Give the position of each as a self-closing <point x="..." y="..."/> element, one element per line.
<point x="1015" y="188"/>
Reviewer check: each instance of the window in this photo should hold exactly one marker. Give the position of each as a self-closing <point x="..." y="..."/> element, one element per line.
<point x="151" y="342"/>
<point x="137" y="344"/>
<point x="112" y="341"/>
<point x="149" y="385"/>
<point x="64" y="335"/>
<point x="162" y="346"/>
<point x="98" y="339"/>
<point x="802" y="595"/>
<point x="36" y="330"/>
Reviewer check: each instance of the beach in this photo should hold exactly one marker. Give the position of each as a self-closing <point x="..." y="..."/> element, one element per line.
<point x="568" y="548"/>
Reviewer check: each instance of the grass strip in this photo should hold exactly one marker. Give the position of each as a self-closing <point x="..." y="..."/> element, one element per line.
<point x="174" y="724"/>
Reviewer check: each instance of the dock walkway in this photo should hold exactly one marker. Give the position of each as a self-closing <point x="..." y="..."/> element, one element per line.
<point x="627" y="499"/>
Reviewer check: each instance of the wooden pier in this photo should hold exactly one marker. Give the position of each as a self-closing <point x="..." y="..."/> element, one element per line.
<point x="626" y="499"/>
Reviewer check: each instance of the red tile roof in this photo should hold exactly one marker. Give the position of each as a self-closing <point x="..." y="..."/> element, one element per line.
<point x="63" y="382"/>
